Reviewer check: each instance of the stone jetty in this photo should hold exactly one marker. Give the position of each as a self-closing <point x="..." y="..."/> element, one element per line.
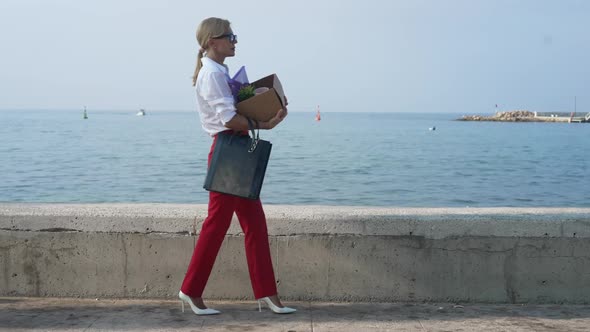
<point x="512" y="116"/>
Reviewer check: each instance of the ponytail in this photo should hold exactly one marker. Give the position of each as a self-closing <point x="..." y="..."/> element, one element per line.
<point x="199" y="65"/>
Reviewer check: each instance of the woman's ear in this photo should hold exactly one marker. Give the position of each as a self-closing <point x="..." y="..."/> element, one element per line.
<point x="211" y="43"/>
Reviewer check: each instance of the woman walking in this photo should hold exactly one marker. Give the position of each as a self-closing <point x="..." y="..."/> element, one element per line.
<point x="215" y="104"/>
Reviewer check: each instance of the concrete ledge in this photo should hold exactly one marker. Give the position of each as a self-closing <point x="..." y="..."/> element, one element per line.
<point x="319" y="253"/>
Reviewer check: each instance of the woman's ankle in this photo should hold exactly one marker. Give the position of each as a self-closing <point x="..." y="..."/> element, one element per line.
<point x="276" y="300"/>
<point x="198" y="301"/>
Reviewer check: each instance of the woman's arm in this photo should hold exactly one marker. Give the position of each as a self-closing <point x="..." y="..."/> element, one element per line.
<point x="239" y="122"/>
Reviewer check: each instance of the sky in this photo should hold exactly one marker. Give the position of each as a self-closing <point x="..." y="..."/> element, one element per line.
<point x="452" y="56"/>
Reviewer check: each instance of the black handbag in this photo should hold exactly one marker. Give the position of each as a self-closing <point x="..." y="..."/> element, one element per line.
<point x="238" y="164"/>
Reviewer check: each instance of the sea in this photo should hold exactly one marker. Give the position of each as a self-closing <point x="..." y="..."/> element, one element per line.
<point x="352" y="159"/>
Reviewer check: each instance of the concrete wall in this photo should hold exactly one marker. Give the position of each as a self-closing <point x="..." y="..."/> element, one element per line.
<point x="319" y="253"/>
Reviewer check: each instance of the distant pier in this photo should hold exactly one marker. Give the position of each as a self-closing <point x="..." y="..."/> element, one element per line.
<point x="528" y="116"/>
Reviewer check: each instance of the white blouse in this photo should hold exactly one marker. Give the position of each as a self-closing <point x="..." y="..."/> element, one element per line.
<point x="215" y="102"/>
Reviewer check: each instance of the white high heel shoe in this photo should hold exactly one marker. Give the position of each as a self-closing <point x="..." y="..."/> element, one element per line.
<point x="274" y="308"/>
<point x="185" y="298"/>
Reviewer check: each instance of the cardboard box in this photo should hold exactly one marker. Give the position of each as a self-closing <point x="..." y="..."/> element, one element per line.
<point x="264" y="106"/>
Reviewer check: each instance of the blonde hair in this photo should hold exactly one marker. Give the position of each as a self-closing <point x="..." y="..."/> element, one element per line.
<point x="209" y="28"/>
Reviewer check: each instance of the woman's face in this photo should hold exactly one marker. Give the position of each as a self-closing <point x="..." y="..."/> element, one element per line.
<point x="225" y="45"/>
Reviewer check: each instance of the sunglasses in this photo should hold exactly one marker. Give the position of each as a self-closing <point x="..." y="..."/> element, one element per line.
<point x="230" y="36"/>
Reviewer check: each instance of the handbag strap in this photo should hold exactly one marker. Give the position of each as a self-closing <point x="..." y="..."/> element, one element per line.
<point x="255" y="135"/>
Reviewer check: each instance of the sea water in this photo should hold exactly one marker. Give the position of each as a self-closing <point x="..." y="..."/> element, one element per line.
<point x="360" y="159"/>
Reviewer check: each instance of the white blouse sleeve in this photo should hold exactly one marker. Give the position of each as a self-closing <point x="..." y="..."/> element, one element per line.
<point x="218" y="95"/>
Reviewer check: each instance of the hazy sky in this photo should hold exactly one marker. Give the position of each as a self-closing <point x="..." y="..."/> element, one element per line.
<point x="373" y="55"/>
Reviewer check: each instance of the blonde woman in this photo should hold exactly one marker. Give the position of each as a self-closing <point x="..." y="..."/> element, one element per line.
<point x="215" y="104"/>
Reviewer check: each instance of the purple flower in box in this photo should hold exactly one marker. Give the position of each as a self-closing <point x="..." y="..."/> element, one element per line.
<point x="239" y="80"/>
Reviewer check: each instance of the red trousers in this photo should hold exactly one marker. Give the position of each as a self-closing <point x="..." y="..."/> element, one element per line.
<point x="253" y="223"/>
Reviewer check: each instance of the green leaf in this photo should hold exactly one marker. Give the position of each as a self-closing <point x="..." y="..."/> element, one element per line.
<point x="247" y="91"/>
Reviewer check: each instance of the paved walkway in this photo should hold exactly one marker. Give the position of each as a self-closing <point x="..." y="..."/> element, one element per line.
<point x="59" y="314"/>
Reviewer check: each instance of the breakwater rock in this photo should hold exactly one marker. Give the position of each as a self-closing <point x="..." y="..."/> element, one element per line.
<point x="508" y="116"/>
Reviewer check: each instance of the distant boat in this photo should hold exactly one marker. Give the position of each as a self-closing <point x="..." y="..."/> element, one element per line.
<point x="432" y="128"/>
<point x="318" y="117"/>
<point x="141" y="112"/>
<point x="85" y="113"/>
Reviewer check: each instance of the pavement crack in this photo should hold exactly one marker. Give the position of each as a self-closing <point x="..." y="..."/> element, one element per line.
<point x="422" y="326"/>
<point x="58" y="229"/>
<point x="89" y="326"/>
<point x="471" y="250"/>
<point x="311" y="315"/>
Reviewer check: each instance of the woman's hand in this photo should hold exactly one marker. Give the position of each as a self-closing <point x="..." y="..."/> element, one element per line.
<point x="278" y="118"/>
